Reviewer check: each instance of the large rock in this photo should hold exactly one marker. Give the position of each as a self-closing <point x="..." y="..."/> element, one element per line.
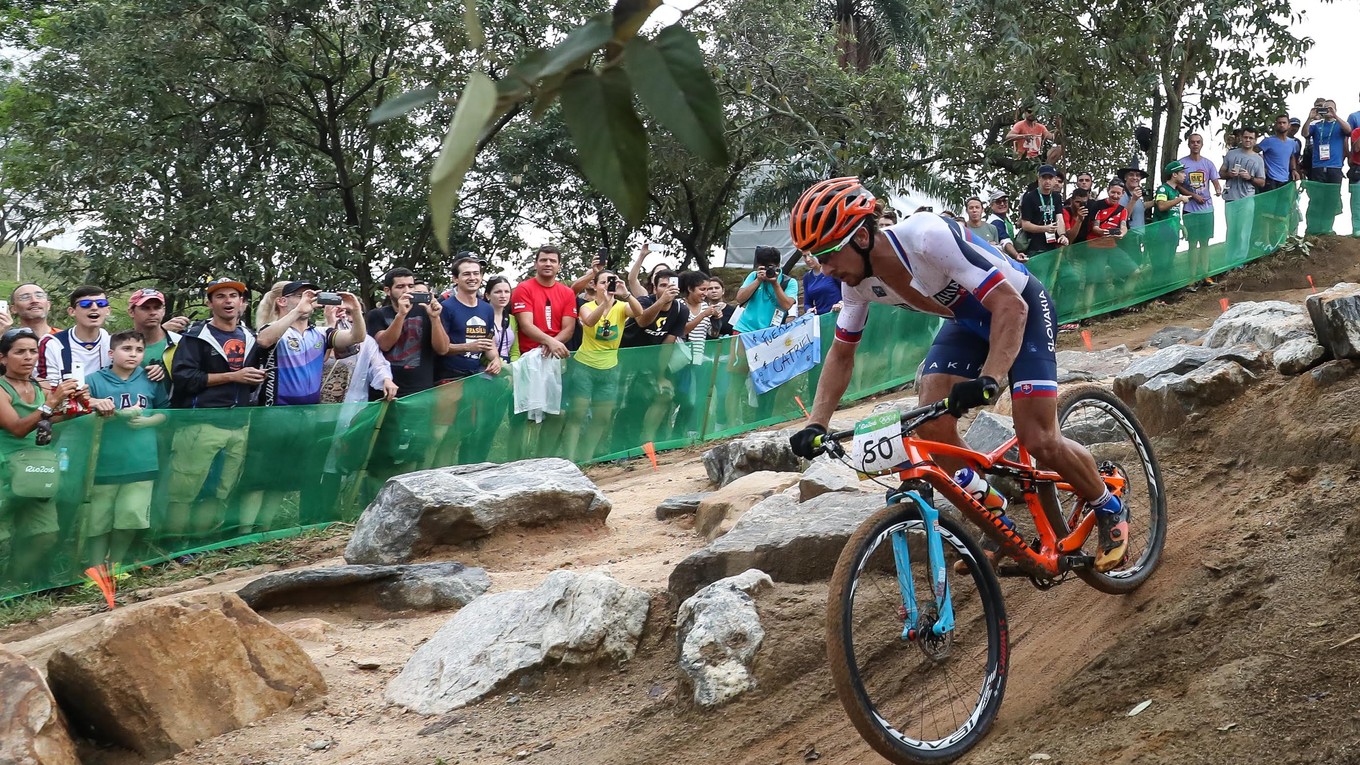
<point x="1098" y="364"/>
<point x="411" y="587"/>
<point x="1178" y="360"/>
<point x="720" y="509"/>
<point x="159" y="677"/>
<point x="569" y="619"/>
<point x="1297" y="356"/>
<point x="1164" y="402"/>
<point x="32" y="731"/>
<point x="1335" y="314"/>
<point x="1265" y="325"/>
<point x="989" y="431"/>
<point x="719" y="633"/>
<point x="1174" y="335"/>
<point x="824" y="476"/>
<point x="417" y="511"/>
<point x="757" y="452"/>
<point x="790" y="541"/>
<point x="682" y="504"/>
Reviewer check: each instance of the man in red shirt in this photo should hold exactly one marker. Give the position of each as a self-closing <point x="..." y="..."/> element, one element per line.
<point x="1028" y="135"/>
<point x="544" y="307"/>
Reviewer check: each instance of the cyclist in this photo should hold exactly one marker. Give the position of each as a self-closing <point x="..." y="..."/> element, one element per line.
<point x="1000" y="322"/>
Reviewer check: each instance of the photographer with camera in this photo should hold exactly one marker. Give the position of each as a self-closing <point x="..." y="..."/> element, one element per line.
<point x="409" y="332"/>
<point x="592" y="380"/>
<point x="767" y="295"/>
<point x="1329" y="138"/>
<point x="295" y="346"/>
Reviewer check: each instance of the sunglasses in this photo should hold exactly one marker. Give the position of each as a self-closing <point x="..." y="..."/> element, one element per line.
<point x="90" y="303"/>
<point x="828" y="252"/>
<point x="18" y="332"/>
<point x="31" y="296"/>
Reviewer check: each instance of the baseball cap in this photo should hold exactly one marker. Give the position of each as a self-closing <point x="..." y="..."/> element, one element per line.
<point x="292" y="287"/>
<point x="998" y="195"/>
<point x="1174" y="166"/>
<point x="1295" y="121"/>
<point x="143" y="295"/>
<point x="223" y="283"/>
<point x="1047" y="170"/>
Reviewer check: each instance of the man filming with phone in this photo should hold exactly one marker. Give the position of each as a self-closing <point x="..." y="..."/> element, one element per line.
<point x="409" y="332"/>
<point x="767" y="295"/>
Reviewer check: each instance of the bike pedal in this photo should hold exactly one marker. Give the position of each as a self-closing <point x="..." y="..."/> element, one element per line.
<point x="1010" y="569"/>
<point x="1078" y="561"/>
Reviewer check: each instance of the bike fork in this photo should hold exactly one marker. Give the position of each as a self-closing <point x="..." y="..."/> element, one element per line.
<point x="944" y="602"/>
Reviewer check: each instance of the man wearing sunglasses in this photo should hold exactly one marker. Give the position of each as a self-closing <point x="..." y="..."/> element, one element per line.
<point x="29" y="306"/>
<point x="86" y="344"/>
<point x="999" y="325"/>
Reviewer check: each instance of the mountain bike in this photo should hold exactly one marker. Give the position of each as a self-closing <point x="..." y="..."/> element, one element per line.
<point x="918" y="649"/>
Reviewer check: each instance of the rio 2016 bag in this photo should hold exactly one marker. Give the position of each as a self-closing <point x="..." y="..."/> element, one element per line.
<point x="34" y="473"/>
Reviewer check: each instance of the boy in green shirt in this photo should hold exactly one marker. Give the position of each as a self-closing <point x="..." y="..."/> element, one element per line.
<point x="1163" y="236"/>
<point x="119" y="505"/>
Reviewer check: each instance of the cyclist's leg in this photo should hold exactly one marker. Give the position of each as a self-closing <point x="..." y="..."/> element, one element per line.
<point x="1034" y="400"/>
<point x="955" y="356"/>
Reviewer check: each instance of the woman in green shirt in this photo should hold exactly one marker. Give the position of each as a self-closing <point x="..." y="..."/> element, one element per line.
<point x="32" y="523"/>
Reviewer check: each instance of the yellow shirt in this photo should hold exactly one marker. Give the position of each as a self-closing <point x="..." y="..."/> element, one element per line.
<point x="600" y="343"/>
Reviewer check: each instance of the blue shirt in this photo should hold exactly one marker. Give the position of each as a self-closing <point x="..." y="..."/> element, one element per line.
<point x="1354" y="120"/>
<point x="1277" y="152"/>
<point x="1137" y="212"/>
<point x="1333" y="135"/>
<point x="758" y="312"/>
<point x="136" y="458"/>
<point x="464" y="324"/>
<point x="820" y="292"/>
<point x="299" y="359"/>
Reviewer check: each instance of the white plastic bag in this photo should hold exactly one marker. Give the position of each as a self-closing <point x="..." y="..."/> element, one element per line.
<point x="537" y="380"/>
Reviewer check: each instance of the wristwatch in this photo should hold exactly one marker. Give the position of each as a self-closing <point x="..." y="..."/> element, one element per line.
<point x="46" y="411"/>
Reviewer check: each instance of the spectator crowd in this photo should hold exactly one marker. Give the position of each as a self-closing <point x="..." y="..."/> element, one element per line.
<point x="190" y="476"/>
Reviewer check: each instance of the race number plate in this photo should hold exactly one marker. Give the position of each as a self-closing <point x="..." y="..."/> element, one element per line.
<point x="878" y="444"/>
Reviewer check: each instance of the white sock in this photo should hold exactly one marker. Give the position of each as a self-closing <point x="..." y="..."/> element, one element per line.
<point x="1099" y="504"/>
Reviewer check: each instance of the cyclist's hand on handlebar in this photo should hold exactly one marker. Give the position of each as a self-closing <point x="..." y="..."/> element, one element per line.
<point x="970" y="394"/>
<point x="804" y="442"/>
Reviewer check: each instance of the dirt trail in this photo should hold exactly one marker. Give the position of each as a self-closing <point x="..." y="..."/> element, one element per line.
<point x="1236" y="639"/>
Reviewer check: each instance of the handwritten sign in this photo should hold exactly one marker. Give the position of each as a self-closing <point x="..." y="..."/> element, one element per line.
<point x="779" y="354"/>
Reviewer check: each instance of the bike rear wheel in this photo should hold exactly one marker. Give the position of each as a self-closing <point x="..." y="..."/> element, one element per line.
<point x="1100" y="421"/>
<point x="927" y="700"/>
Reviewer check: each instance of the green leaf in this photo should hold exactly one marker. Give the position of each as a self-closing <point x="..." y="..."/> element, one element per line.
<point x="473" y="24"/>
<point x="610" y="140"/>
<point x="675" y="86"/>
<point x="396" y="107"/>
<point x="575" y="50"/>
<point x="475" y="108"/>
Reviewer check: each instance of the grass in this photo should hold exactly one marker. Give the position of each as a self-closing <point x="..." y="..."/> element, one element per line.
<point x="278" y="552"/>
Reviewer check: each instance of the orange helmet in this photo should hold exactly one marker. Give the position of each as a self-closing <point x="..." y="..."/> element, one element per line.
<point x="829" y="212"/>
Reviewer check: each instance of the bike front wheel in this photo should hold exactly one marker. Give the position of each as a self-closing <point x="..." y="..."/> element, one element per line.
<point x="928" y="699"/>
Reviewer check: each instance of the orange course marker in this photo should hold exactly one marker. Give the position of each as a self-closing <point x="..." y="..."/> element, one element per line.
<point x="1310" y="283"/>
<point x="649" y="449"/>
<point x="105" y="583"/>
<point x="1086" y="338"/>
<point x="800" y="406"/>
<point x="1223" y="304"/>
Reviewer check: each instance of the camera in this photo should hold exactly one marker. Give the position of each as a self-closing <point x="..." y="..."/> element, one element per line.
<point x="602" y="257"/>
<point x="328" y="298"/>
<point x="419" y="298"/>
<point x="612" y="284"/>
<point x="770" y="271"/>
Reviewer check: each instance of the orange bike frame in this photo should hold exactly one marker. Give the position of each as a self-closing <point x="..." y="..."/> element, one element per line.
<point x="1047" y="559"/>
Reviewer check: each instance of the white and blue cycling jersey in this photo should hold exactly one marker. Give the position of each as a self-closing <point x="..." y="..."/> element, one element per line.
<point x="958" y="270"/>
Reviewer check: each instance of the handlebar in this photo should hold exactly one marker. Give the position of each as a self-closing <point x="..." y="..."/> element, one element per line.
<point x="911" y="420"/>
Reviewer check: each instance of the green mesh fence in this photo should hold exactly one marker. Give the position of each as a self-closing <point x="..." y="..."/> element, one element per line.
<point x="229" y="477"/>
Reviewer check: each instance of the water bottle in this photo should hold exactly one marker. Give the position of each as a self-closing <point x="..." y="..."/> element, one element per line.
<point x="63" y="460"/>
<point x="980" y="490"/>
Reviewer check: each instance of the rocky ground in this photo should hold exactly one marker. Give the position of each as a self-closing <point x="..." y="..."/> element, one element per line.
<point x="1246" y="641"/>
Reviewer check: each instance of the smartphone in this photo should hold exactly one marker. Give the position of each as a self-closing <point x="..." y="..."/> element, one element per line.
<point x="612" y="284"/>
<point x="328" y="298"/>
<point x="419" y="298"/>
<point x="673" y="282"/>
<point x="4" y="306"/>
<point x="78" y="372"/>
<point x="602" y="257"/>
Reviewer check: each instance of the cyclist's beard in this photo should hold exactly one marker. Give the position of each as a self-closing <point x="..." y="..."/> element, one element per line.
<point x="864" y="255"/>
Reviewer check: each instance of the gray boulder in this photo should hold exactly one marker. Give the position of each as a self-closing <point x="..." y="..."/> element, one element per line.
<point x="418" y="511"/>
<point x="1297" y="356"/>
<point x="569" y="619"/>
<point x="989" y="431"/>
<point x="683" y="504"/>
<point x="1335" y="314"/>
<point x="1178" y="360"/>
<point x="719" y="633"/>
<point x="1098" y="364"/>
<point x="412" y="587"/>
<point x="897" y="405"/>
<point x="1169" y="336"/>
<point x="1165" y="401"/>
<point x="32" y="730"/>
<point x="790" y="541"/>
<point x="825" y="476"/>
<point x="1265" y="324"/>
<point x="731" y="460"/>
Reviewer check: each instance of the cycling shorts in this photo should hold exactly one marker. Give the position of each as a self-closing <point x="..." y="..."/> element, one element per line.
<point x="960" y="349"/>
